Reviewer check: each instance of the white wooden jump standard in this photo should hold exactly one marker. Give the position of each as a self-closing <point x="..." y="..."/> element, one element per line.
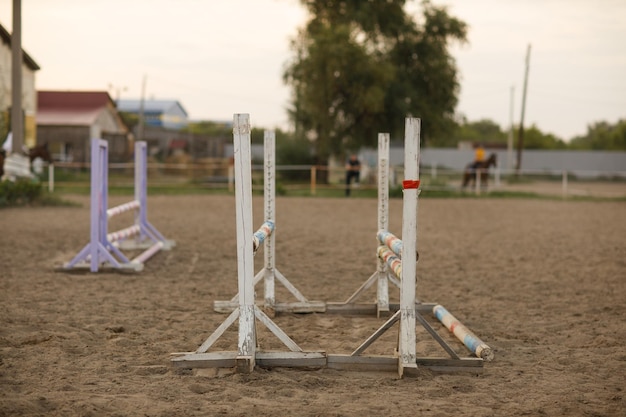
<point x="247" y="355"/>
<point x="269" y="273"/>
<point x="392" y="254"/>
<point x="103" y="248"/>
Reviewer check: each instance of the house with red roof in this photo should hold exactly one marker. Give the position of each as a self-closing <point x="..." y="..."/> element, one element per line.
<point x="67" y="120"/>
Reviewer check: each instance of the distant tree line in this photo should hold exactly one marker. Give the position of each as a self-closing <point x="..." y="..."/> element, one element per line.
<point x="599" y="136"/>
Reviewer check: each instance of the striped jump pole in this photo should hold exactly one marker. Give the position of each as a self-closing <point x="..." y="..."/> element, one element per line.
<point x="104" y="248"/>
<point x="391" y="241"/>
<point x="469" y="339"/>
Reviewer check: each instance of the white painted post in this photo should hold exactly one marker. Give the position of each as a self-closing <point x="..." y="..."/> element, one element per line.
<point x="269" y="201"/>
<point x="407" y="340"/>
<point x="313" y="180"/>
<point x="564" y="183"/>
<point x="245" y="261"/>
<point x="51" y="177"/>
<point x="382" y="292"/>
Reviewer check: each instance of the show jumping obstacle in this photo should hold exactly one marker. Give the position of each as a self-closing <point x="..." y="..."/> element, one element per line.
<point x="390" y="257"/>
<point x="265" y="235"/>
<point x="247" y="312"/>
<point x="104" y="249"/>
<point x="393" y="253"/>
<point x="381" y="276"/>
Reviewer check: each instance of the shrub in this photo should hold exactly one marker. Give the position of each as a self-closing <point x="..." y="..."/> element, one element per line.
<point x="20" y="192"/>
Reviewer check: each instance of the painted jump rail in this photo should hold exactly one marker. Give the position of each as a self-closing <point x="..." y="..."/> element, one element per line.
<point x="265" y="236"/>
<point x="105" y="249"/>
<point x="248" y="354"/>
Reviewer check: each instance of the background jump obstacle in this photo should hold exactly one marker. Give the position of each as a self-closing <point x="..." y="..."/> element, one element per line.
<point x="104" y="249"/>
<point x="266" y="236"/>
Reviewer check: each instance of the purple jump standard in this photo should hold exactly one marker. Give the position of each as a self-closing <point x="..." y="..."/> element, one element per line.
<point x="104" y="247"/>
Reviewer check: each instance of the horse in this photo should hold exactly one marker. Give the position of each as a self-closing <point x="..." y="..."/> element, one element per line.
<point x="482" y="167"/>
<point x="38" y="151"/>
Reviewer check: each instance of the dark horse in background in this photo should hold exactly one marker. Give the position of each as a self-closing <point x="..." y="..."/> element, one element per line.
<point x="39" y="151"/>
<point x="481" y="167"/>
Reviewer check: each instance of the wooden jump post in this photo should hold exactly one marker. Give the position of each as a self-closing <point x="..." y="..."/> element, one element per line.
<point x="266" y="236"/>
<point x="247" y="312"/>
<point x="104" y="249"/>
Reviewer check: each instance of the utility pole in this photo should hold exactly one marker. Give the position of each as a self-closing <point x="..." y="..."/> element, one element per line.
<point x="520" y="139"/>
<point x="141" y="110"/>
<point x="509" y="147"/>
<point x="17" y="121"/>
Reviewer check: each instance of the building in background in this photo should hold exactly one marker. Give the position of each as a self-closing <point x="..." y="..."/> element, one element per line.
<point x="67" y="120"/>
<point x="168" y="114"/>
<point x="29" y="93"/>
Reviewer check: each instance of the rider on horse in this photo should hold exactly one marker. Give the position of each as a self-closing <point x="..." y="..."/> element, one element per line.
<point x="479" y="156"/>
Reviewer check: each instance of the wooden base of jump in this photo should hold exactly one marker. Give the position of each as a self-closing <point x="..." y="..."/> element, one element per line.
<point x="355" y="361"/>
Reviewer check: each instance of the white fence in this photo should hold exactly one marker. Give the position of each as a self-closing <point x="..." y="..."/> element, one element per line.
<point x="307" y="178"/>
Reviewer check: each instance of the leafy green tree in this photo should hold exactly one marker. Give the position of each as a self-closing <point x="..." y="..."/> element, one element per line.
<point x="602" y="136"/>
<point x="485" y="131"/>
<point x="535" y="139"/>
<point x="360" y="67"/>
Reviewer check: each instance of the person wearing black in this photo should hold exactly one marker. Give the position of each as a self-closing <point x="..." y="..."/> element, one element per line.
<point x="353" y="170"/>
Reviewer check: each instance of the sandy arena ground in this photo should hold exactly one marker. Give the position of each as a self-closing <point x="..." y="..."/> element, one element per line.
<point x="542" y="282"/>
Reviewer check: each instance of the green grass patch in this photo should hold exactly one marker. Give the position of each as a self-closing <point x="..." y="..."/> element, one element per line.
<point x="25" y="192"/>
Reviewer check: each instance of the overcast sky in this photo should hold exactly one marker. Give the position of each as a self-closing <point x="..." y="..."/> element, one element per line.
<point x="223" y="57"/>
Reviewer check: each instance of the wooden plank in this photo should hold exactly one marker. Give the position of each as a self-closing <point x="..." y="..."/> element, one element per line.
<point x="245" y="252"/>
<point x="370" y="308"/>
<point x="278" y="332"/>
<point x="381" y="330"/>
<point x="390" y="363"/>
<point x="293" y="290"/>
<point x="407" y="341"/>
<point x="219" y="331"/>
<point x="291" y="359"/>
<point x="382" y="289"/>
<point x="436" y="336"/>
<point x="205" y="360"/>
<point x="269" y="198"/>
<point x="364" y="287"/>
<point x="299" y="307"/>
<point x="221" y="306"/>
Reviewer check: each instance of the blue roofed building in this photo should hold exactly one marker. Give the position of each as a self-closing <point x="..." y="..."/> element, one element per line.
<point x="168" y="114"/>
